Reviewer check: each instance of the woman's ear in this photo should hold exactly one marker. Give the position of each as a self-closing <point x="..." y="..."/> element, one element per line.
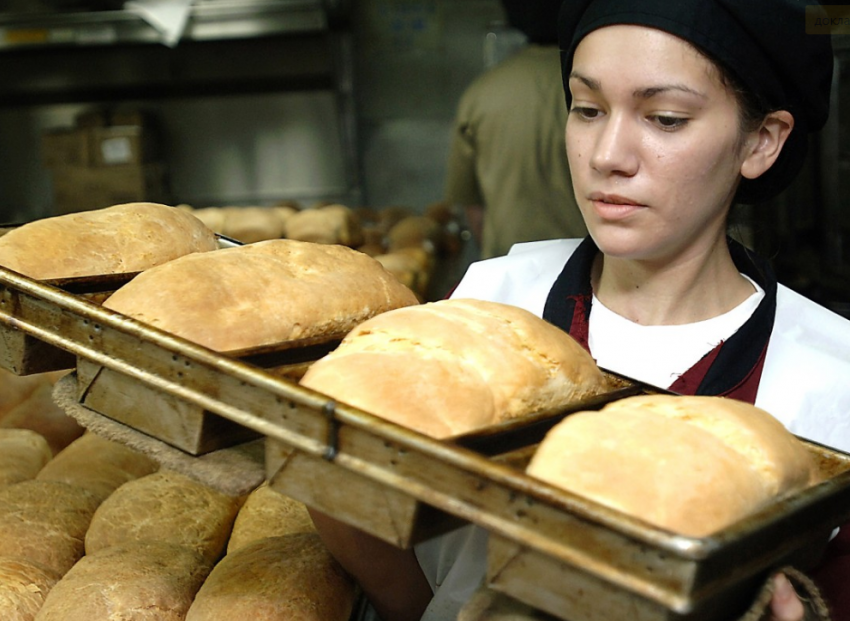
<point x="765" y="144"/>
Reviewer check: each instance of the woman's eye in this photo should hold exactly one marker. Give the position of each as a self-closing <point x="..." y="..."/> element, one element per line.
<point x="667" y="122"/>
<point x="586" y="113"/>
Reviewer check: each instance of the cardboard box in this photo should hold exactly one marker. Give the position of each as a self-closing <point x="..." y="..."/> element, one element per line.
<point x="121" y="145"/>
<point x="66" y="147"/>
<point x="82" y="188"/>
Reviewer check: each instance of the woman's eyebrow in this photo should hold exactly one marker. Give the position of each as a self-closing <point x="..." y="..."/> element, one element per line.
<point x="592" y="84"/>
<point x="641" y="93"/>
<point x="646" y="93"/>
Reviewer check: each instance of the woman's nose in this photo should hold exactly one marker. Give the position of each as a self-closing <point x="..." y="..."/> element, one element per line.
<point x="615" y="149"/>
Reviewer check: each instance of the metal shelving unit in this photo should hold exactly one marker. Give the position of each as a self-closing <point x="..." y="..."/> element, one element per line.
<point x="208" y="20"/>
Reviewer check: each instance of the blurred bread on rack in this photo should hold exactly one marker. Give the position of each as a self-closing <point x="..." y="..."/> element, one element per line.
<point x="329" y="224"/>
<point x="691" y="465"/>
<point x="261" y="294"/>
<point x="247" y="224"/>
<point x="118" y="239"/>
<point x="454" y="366"/>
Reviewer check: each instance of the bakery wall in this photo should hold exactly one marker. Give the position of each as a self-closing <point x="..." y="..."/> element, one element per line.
<point x="376" y="136"/>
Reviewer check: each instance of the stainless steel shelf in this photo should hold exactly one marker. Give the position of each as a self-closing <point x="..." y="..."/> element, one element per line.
<point x="209" y="20"/>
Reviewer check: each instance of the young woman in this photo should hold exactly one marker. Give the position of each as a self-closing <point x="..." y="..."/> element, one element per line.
<point x="676" y="111"/>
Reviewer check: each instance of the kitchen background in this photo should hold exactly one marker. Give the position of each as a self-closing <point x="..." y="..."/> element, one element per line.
<point x="351" y="101"/>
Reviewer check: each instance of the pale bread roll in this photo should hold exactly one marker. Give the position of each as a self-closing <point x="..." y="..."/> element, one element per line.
<point x="168" y="507"/>
<point x="40" y="413"/>
<point x="289" y="577"/>
<point x="23" y="588"/>
<point x="263" y="293"/>
<point x="252" y="224"/>
<point x="45" y="522"/>
<point x="330" y="224"/>
<point x="23" y="453"/>
<point x="138" y="581"/>
<point x="268" y="513"/>
<point x="98" y="465"/>
<point x="692" y="465"/>
<point x="212" y="217"/>
<point x="113" y="240"/>
<point x="449" y="367"/>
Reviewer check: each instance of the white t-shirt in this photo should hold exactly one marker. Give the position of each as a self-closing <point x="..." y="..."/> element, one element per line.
<point x="680" y="346"/>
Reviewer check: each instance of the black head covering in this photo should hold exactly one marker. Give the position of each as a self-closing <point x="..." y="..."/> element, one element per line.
<point x="762" y="42"/>
<point x="536" y="19"/>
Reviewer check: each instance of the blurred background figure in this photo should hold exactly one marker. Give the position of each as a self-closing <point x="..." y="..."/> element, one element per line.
<point x="507" y="165"/>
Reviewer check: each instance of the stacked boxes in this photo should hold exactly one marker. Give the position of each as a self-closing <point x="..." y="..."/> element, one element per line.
<point x="105" y="159"/>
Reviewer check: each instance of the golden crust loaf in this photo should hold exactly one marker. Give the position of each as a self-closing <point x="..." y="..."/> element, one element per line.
<point x="263" y="293"/>
<point x="142" y="581"/>
<point x="98" y="465"/>
<point x="45" y="522"/>
<point x="289" y="577"/>
<point x="692" y="465"/>
<point x="268" y="513"/>
<point x="449" y="367"/>
<point x="118" y="239"/>
<point x="168" y="507"/>
<point x="23" y="588"/>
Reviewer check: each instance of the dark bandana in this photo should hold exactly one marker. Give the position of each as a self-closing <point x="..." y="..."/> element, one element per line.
<point x="767" y="44"/>
<point x="732" y="369"/>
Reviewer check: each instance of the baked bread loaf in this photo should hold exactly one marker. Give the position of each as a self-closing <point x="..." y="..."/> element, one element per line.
<point x="329" y="224"/>
<point x="692" y="465"/>
<point x="114" y="240"/>
<point x="168" y="507"/>
<point x="40" y="413"/>
<point x="98" y="465"/>
<point x="138" y="581"/>
<point x="260" y="294"/>
<point x="23" y="588"/>
<point x="289" y="577"/>
<point x="22" y="454"/>
<point x="45" y="522"/>
<point x="268" y="513"/>
<point x="449" y="367"/>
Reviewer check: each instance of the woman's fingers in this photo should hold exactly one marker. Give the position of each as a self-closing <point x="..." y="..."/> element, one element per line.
<point x="785" y="605"/>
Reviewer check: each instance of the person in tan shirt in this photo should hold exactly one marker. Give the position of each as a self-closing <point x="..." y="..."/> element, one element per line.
<point x="507" y="166"/>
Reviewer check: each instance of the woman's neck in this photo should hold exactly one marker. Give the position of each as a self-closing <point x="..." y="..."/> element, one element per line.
<point x="686" y="290"/>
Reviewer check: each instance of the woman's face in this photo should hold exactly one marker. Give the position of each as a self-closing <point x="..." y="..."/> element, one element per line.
<point x="653" y="142"/>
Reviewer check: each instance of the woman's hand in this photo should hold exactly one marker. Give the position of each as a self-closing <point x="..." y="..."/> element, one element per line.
<point x="785" y="605"/>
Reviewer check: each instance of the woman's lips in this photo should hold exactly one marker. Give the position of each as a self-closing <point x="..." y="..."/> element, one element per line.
<point x="614" y="206"/>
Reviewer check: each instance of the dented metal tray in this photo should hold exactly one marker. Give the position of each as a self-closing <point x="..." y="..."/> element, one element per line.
<point x="586" y="562"/>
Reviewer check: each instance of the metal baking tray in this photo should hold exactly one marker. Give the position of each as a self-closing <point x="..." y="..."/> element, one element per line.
<point x="23" y="354"/>
<point x="390" y="513"/>
<point x="600" y="564"/>
<point x="175" y="421"/>
<point x="650" y="573"/>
